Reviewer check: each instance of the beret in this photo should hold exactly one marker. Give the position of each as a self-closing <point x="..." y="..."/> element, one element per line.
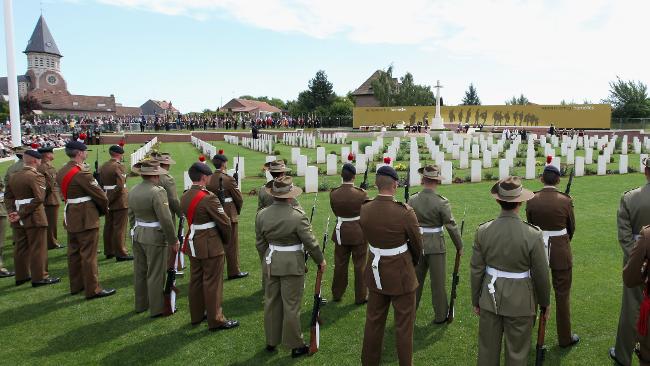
<point x="34" y="154"/>
<point x="116" y="149"/>
<point x="45" y="149"/>
<point x="388" y="171"/>
<point x="76" y="145"/>
<point x="202" y="168"/>
<point x="552" y="168"/>
<point x="349" y="167"/>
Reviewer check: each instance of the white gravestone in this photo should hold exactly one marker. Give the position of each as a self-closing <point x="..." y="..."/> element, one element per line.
<point x="320" y="155"/>
<point x="295" y="151"/>
<point x="476" y="174"/>
<point x="602" y="165"/>
<point x="504" y="169"/>
<point x="311" y="179"/>
<point x="447" y="172"/>
<point x="622" y="164"/>
<point x="530" y="168"/>
<point x="464" y="160"/>
<point x="580" y="166"/>
<point x="332" y="160"/>
<point x="302" y="165"/>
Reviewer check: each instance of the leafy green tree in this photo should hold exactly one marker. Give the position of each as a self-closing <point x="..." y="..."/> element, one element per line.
<point x="4" y="111"/>
<point x="471" y="96"/>
<point x="521" y="100"/>
<point x="629" y="99"/>
<point x="406" y="93"/>
<point x="384" y="88"/>
<point x="321" y="90"/>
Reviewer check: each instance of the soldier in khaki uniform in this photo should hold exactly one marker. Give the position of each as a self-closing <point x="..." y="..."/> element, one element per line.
<point x="112" y="176"/>
<point x="3" y="227"/>
<point x="24" y="202"/>
<point x="209" y="234"/>
<point x="346" y="201"/>
<point x="283" y="233"/>
<point x="169" y="184"/>
<point x="433" y="212"/>
<point x="552" y="211"/>
<point x="17" y="166"/>
<point x="395" y="245"/>
<point x="635" y="274"/>
<point x="84" y="201"/>
<point x="277" y="169"/>
<point x="509" y="278"/>
<point x="52" y="199"/>
<point x="153" y="236"/>
<point x="232" y="204"/>
<point x="633" y="214"/>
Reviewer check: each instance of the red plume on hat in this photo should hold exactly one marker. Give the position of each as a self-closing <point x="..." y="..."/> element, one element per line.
<point x="549" y="159"/>
<point x="82" y="136"/>
<point x="350" y="156"/>
<point x="387" y="160"/>
<point x="202" y="158"/>
<point x="121" y="143"/>
<point x="220" y="151"/>
<point x="35" y="145"/>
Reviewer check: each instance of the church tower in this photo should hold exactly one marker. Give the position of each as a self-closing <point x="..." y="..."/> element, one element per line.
<point x="44" y="60"/>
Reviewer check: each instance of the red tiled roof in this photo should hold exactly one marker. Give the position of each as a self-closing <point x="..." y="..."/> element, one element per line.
<point x="165" y="105"/>
<point x="247" y="105"/>
<point x="62" y="100"/>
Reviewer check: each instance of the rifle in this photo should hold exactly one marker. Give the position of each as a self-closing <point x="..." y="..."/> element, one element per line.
<point x="314" y="341"/>
<point x="236" y="175"/>
<point x="407" y="185"/>
<point x="221" y="194"/>
<point x="568" y="185"/>
<point x="96" y="172"/>
<point x="179" y="264"/>
<point x="541" y="331"/>
<point x="455" y="278"/>
<point x="311" y="219"/>
<point x="364" y="184"/>
<point x="170" y="293"/>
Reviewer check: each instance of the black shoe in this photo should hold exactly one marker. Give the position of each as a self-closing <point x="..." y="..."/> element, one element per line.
<point x="612" y="355"/>
<point x="109" y="256"/>
<point x="46" y="281"/>
<point x="440" y="322"/>
<point x="362" y="302"/>
<point x="20" y="282"/>
<point x="205" y="317"/>
<point x="77" y="292"/>
<point x="103" y="293"/>
<point x="300" y="351"/>
<point x="56" y="246"/>
<point x="270" y="348"/>
<point x="124" y="259"/>
<point x="229" y="324"/>
<point x="157" y="316"/>
<point x="574" y="340"/>
<point x="238" y="275"/>
<point x="6" y="273"/>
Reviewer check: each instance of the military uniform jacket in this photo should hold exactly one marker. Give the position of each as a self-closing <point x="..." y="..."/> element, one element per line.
<point x="284" y="225"/>
<point x="209" y="242"/>
<point x="264" y="199"/>
<point x="83" y="216"/>
<point x="15" y="167"/>
<point x="3" y="210"/>
<point x="148" y="203"/>
<point x="632" y="275"/>
<point x="511" y="245"/>
<point x="233" y="208"/>
<point x="112" y="173"/>
<point x="633" y="214"/>
<point x="52" y="197"/>
<point x="432" y="211"/>
<point x="169" y="184"/>
<point x="552" y="210"/>
<point x="346" y="201"/>
<point x="27" y="183"/>
<point x="388" y="224"/>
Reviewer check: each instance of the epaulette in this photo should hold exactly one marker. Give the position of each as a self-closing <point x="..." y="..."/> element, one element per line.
<point x="405" y="205"/>
<point x="486" y="222"/>
<point x="298" y="208"/>
<point x="533" y="226"/>
<point x="368" y="200"/>
<point x="359" y="189"/>
<point x="441" y="196"/>
<point x="626" y="192"/>
<point x="564" y="194"/>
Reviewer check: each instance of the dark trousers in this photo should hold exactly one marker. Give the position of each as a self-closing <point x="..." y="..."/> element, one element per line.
<point x="232" y="250"/>
<point x="562" y="286"/>
<point x="206" y="290"/>
<point x="114" y="232"/>
<point x="376" y="313"/>
<point x="342" y="254"/>
<point x="52" y="213"/>
<point x="82" y="262"/>
<point x="30" y="254"/>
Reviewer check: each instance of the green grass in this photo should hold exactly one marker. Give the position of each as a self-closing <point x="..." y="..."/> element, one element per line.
<point x="48" y="326"/>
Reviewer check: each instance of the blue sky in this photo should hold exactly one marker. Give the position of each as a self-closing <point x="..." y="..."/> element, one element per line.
<point x="200" y="52"/>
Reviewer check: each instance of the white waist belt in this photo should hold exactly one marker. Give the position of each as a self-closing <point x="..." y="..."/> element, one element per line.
<point x="19" y="203"/>
<point x="430" y="230"/>
<point x="547" y="246"/>
<point x="281" y="248"/>
<point x="227" y="200"/>
<point x="194" y="229"/>
<point x="143" y="224"/>
<point x="339" y="222"/>
<point x="73" y="201"/>
<point x="378" y="253"/>
<point x="108" y="188"/>
<point x="495" y="273"/>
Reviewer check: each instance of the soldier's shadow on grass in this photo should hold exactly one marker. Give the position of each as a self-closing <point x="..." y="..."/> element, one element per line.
<point x="29" y="312"/>
<point x="330" y="313"/>
<point x="237" y="307"/>
<point x="423" y="337"/>
<point x="86" y="336"/>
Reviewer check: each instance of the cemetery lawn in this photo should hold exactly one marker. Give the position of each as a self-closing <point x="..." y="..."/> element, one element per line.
<point x="48" y="326"/>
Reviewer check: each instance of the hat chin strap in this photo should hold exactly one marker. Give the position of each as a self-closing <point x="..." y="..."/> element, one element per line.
<point x="282" y="190"/>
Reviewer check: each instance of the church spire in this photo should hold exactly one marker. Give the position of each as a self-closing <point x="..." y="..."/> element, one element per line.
<point x="42" y="40"/>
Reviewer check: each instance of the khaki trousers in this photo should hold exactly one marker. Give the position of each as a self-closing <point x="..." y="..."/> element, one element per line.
<point x="282" y="300"/>
<point x="206" y="290"/>
<point x="626" y="336"/>
<point x="30" y="254"/>
<point x="52" y="213"/>
<point x="515" y="330"/>
<point x="435" y="265"/>
<point x="3" y="229"/>
<point x="82" y="262"/>
<point x="562" y="287"/>
<point x="376" y="313"/>
<point x="232" y="250"/>
<point x="342" y="255"/>
<point x="149" y="270"/>
<point x="115" y="231"/>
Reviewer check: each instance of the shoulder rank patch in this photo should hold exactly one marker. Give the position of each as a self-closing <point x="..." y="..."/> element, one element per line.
<point x="533" y="226"/>
<point x="442" y="197"/>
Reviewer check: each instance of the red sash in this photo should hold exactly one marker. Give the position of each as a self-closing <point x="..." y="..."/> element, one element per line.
<point x="190" y="216"/>
<point x="65" y="183"/>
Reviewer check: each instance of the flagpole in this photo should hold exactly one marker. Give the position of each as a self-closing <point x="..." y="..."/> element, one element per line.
<point x="12" y="78"/>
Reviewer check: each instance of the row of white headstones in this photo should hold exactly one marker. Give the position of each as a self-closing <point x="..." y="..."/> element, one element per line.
<point x="140" y="153"/>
